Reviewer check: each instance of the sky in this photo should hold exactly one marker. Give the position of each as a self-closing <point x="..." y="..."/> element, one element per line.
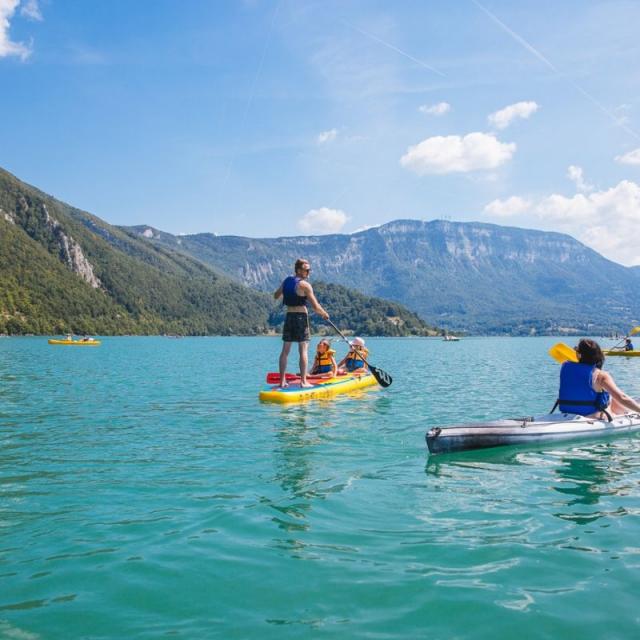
<point x="268" y="118"/>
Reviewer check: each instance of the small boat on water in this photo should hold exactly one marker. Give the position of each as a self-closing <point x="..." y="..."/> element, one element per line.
<point x="87" y="342"/>
<point x="322" y="387"/>
<point x="449" y="338"/>
<point x="621" y="352"/>
<point x="531" y="430"/>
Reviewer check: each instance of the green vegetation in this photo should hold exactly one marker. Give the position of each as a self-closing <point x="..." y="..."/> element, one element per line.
<point x="356" y="313"/>
<point x="141" y="287"/>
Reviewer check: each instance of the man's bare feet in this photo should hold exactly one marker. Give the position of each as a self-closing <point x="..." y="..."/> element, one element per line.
<point x="284" y="384"/>
<point x="305" y="385"/>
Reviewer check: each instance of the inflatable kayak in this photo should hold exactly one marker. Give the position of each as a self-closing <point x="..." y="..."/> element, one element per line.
<point x="553" y="427"/>
<point x="322" y="388"/>
<point x="622" y="352"/>
<point x="77" y="343"/>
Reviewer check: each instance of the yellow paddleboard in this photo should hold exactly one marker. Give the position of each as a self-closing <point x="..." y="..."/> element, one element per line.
<point x="321" y="389"/>
<point x="618" y="352"/>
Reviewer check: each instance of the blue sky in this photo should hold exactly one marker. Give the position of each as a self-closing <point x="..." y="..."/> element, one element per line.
<point x="287" y="117"/>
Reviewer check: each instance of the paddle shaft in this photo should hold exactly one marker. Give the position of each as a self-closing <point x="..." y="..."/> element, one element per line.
<point x="383" y="378"/>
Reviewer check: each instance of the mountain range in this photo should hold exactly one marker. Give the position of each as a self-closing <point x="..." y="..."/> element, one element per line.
<point x="464" y="276"/>
<point x="65" y="270"/>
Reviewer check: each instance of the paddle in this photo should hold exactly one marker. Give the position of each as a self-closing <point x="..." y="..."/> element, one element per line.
<point x="382" y="377"/>
<point x="631" y="333"/>
<point x="273" y="377"/>
<point x="562" y="352"/>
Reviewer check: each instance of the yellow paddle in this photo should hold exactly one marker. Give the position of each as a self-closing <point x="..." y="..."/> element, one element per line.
<point x="562" y="352"/>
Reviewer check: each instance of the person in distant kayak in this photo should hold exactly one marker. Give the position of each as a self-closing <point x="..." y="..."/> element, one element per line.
<point x="587" y="390"/>
<point x="324" y="362"/>
<point x="354" y="361"/>
<point x="628" y="345"/>
<point x="296" y="293"/>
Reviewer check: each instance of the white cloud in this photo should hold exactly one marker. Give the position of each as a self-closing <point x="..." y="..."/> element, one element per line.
<point x="575" y="175"/>
<point x="7" y="47"/>
<point x="503" y="118"/>
<point x="449" y="154"/>
<point x="608" y="221"/>
<point x="31" y="9"/>
<point x="510" y="207"/>
<point x="323" y="220"/>
<point x="327" y="136"/>
<point x="438" y="109"/>
<point x="632" y="157"/>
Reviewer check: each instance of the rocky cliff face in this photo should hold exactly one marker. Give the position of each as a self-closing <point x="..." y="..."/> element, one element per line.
<point x="473" y="276"/>
<point x="70" y="251"/>
<point x="35" y="219"/>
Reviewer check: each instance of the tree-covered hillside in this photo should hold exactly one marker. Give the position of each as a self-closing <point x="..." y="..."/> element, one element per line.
<point x="359" y="314"/>
<point x="64" y="270"/>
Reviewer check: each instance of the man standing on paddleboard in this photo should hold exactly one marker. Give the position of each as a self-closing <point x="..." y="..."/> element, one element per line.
<point x="296" y="294"/>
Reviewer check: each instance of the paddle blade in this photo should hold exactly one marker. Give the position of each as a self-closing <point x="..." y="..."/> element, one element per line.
<point x="382" y="377"/>
<point x="561" y="352"/>
<point x="634" y="331"/>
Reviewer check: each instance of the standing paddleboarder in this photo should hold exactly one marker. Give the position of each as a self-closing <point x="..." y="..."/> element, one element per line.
<point x="297" y="293"/>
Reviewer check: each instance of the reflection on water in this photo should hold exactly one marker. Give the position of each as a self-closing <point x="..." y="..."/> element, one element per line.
<point x="589" y="476"/>
<point x="583" y="475"/>
<point x="294" y="439"/>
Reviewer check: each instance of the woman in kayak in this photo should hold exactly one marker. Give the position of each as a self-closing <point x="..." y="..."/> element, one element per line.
<point x="354" y="362"/>
<point x="584" y="386"/>
<point x="324" y="361"/>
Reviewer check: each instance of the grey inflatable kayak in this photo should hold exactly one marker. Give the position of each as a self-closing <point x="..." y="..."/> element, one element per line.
<point x="553" y="427"/>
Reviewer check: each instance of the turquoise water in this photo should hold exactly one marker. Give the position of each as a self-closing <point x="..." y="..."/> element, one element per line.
<point x="145" y="492"/>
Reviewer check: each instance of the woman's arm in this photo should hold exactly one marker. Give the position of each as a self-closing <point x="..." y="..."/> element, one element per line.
<point x="605" y="380"/>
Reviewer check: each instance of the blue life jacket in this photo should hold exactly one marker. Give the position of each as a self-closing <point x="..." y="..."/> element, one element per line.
<point x="577" y="394"/>
<point x="628" y="346"/>
<point x="289" y="296"/>
<point x="354" y="359"/>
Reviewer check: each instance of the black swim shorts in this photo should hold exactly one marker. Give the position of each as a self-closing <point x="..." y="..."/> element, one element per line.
<point x="296" y="327"/>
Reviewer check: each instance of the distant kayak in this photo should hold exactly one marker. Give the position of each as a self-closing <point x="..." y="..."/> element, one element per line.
<point x="323" y="388"/>
<point x="77" y="343"/>
<point x="622" y="352"/>
<point x="553" y="427"/>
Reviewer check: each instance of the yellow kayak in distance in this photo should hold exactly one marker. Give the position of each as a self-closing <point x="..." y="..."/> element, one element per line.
<point x="321" y="389"/>
<point x="621" y="352"/>
<point x="77" y="343"/>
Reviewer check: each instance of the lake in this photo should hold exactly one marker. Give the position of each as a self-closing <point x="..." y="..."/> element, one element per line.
<point x="145" y="492"/>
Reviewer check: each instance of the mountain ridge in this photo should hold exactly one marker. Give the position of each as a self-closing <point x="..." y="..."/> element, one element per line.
<point x="473" y="276"/>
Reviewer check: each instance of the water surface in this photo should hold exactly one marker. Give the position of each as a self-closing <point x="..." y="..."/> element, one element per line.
<point x="145" y="492"/>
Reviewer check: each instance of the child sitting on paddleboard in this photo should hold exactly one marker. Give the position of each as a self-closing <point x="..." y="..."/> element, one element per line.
<point x="354" y="362"/>
<point x="324" y="361"/>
